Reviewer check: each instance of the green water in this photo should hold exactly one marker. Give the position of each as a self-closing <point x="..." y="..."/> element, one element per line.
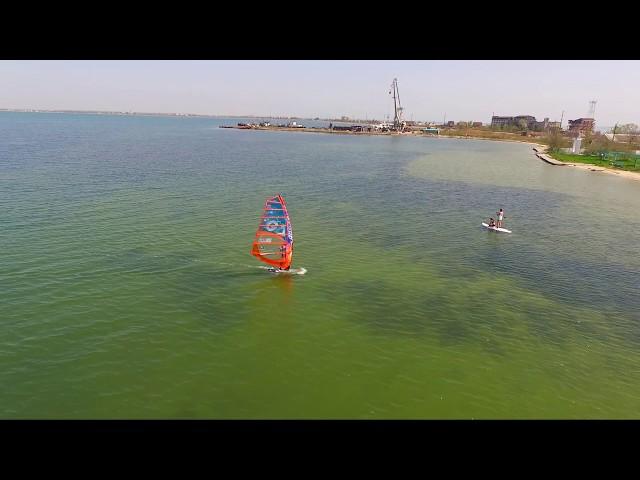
<point x="128" y="290"/>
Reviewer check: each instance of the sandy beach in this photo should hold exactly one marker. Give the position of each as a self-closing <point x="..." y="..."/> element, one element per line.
<point x="596" y="168"/>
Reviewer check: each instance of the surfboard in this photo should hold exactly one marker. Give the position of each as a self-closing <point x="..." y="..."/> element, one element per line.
<point x="291" y="271"/>
<point x="495" y="229"/>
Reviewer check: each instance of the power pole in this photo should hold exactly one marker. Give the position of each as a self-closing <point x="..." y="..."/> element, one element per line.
<point x="561" y="117"/>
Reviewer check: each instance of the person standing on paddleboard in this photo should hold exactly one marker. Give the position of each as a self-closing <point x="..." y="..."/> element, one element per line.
<point x="500" y="217"/>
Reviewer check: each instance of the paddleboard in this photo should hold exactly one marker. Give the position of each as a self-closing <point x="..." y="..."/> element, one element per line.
<point x="495" y="229"/>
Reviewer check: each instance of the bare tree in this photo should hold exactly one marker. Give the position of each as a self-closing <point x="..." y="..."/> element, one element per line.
<point x="555" y="140"/>
<point x="523" y="124"/>
<point x="628" y="128"/>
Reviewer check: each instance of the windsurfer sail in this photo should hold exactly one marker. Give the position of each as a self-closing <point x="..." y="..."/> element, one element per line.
<point x="273" y="243"/>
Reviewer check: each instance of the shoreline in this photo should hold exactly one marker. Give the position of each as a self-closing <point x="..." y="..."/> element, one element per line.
<point x="539" y="148"/>
<point x="596" y="168"/>
<point x="377" y="134"/>
<point x="590" y="167"/>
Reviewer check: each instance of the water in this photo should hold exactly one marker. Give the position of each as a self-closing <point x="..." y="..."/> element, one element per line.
<point x="128" y="290"/>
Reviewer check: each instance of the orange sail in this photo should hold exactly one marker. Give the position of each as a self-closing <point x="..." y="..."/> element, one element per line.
<point x="273" y="243"/>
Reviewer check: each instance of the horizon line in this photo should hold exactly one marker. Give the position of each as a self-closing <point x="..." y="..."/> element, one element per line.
<point x="208" y="115"/>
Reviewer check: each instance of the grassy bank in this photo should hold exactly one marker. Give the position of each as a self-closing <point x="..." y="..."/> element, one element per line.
<point x="628" y="164"/>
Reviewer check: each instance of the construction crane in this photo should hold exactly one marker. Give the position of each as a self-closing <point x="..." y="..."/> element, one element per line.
<point x="398" y="124"/>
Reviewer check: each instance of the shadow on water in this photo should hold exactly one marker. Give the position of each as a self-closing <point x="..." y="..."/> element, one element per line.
<point x="225" y="296"/>
<point x="474" y="315"/>
<point x="397" y="312"/>
<point x="551" y="291"/>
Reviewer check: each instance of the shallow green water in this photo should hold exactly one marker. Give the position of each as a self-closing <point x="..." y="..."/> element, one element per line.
<point x="128" y="290"/>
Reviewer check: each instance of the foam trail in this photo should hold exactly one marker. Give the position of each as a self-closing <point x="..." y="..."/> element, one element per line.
<point x="293" y="271"/>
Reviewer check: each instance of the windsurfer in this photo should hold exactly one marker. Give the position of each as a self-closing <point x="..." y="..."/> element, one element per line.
<point x="271" y="232"/>
<point x="283" y="251"/>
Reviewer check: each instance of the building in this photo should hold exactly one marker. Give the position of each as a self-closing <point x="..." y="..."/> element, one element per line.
<point x="451" y="123"/>
<point x="476" y="124"/>
<point x="499" y="122"/>
<point x="581" y="126"/>
<point x="542" y="126"/>
<point x="350" y="128"/>
<point x="526" y="122"/>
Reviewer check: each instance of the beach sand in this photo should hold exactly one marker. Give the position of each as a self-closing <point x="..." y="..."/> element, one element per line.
<point x="596" y="168"/>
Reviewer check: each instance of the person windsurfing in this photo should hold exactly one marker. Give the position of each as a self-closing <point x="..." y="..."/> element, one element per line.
<point x="283" y="251"/>
<point x="274" y="229"/>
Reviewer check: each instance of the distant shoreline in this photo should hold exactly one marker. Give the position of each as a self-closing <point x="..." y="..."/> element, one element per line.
<point x="159" y="114"/>
<point x="131" y="114"/>
<point x="414" y="133"/>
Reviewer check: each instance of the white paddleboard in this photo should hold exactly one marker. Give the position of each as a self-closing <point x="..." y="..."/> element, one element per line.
<point x="495" y="229"/>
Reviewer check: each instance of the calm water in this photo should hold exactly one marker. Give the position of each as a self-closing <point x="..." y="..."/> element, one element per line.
<point x="128" y="290"/>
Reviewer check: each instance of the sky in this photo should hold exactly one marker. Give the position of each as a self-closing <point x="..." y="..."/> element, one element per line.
<point x="467" y="90"/>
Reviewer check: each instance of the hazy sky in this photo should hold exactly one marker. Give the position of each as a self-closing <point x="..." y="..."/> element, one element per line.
<point x="464" y="90"/>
